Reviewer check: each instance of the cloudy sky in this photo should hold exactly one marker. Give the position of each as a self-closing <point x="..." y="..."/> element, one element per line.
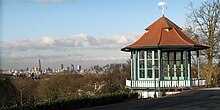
<point x="79" y="32"/>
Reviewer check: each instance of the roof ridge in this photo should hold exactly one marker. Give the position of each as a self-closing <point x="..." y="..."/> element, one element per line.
<point x="137" y="40"/>
<point x="172" y="23"/>
<point x="194" y="40"/>
<point x="153" y="23"/>
<point x="175" y="30"/>
<point x="161" y="30"/>
<point x="168" y="23"/>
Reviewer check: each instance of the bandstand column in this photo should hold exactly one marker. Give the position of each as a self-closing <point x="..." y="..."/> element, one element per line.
<point x="182" y="70"/>
<point x="145" y="64"/>
<point x="168" y="65"/>
<point x="174" y="68"/>
<point x="160" y="65"/>
<point x="135" y="57"/>
<point x="153" y="73"/>
<point x="132" y="72"/>
<point x="189" y="65"/>
<point x="153" y="65"/>
<point x="185" y="66"/>
<point x="198" y="66"/>
<point x="138" y="66"/>
<point x="189" y="68"/>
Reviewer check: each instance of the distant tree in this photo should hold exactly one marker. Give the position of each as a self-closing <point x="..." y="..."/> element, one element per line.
<point x="204" y="25"/>
<point x="60" y="86"/>
<point x="26" y="88"/>
<point x="95" y="80"/>
<point x="115" y="76"/>
<point x="92" y="83"/>
<point x="96" y="69"/>
<point x="8" y="92"/>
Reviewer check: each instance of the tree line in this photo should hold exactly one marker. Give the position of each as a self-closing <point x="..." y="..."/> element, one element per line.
<point x="66" y="85"/>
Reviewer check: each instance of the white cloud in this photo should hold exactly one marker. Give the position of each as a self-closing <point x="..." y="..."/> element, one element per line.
<point x="126" y="39"/>
<point x="76" y="41"/>
<point x="76" y="48"/>
<point x="48" y="40"/>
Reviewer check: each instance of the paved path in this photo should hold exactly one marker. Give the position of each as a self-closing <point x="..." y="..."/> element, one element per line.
<point x="204" y="99"/>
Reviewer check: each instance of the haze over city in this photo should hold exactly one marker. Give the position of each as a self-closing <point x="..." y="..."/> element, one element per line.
<point x="80" y="32"/>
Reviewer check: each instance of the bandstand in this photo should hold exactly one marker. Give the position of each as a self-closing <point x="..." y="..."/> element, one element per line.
<point x="161" y="60"/>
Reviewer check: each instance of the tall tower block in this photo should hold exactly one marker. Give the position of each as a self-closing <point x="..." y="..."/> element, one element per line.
<point x="39" y="65"/>
<point x="62" y="67"/>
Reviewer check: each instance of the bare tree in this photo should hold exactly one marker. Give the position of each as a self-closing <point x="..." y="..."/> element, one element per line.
<point x="8" y="91"/>
<point x="115" y="76"/>
<point x="26" y="88"/>
<point x="60" y="86"/>
<point x="204" y="23"/>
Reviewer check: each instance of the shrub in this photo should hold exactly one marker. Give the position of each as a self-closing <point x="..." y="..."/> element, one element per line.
<point x="82" y="102"/>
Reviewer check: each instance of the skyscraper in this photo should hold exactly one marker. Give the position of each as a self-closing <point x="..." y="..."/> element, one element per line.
<point x="39" y="66"/>
<point x="61" y="66"/>
<point x="72" y="67"/>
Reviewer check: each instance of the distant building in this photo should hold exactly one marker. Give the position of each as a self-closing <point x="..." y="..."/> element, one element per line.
<point x="79" y="68"/>
<point x="68" y="68"/>
<point x="72" y="67"/>
<point x="39" y="66"/>
<point x="35" y="69"/>
<point x="61" y="66"/>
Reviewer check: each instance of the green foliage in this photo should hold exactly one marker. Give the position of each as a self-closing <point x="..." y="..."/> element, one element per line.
<point x="163" y="92"/>
<point x="82" y="102"/>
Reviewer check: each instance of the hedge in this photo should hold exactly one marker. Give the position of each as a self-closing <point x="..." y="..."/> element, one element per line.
<point x="82" y="102"/>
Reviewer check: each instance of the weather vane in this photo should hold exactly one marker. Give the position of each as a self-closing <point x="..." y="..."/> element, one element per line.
<point x="162" y="5"/>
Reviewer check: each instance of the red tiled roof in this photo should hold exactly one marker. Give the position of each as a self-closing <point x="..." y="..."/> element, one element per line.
<point x="163" y="33"/>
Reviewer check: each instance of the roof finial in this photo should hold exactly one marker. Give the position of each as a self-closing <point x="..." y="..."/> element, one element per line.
<point x="162" y="5"/>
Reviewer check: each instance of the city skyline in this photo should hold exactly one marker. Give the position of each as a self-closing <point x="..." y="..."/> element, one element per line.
<point x="80" y="32"/>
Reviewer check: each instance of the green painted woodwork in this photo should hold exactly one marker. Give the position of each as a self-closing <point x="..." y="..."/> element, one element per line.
<point x="173" y="65"/>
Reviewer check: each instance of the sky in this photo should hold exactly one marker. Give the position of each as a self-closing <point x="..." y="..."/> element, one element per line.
<point x="79" y="32"/>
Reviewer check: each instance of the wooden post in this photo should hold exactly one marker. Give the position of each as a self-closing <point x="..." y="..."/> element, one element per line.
<point x="136" y="65"/>
<point x="168" y="65"/>
<point x="132" y="73"/>
<point x="189" y="69"/>
<point x="160" y="69"/>
<point x="174" y="69"/>
<point x="154" y="74"/>
<point x="182" y="65"/>
<point x="198" y="66"/>
<point x="185" y="72"/>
